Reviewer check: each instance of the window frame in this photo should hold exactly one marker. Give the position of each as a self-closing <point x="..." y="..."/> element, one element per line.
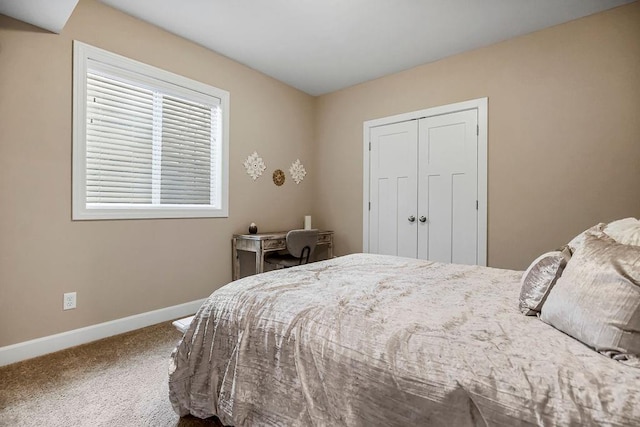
<point x="82" y="54"/>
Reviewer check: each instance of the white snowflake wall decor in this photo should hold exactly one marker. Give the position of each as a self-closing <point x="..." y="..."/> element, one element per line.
<point x="254" y="165"/>
<point x="297" y="171"/>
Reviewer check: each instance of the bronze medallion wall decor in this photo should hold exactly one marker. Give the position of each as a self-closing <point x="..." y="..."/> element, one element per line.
<point x="278" y="177"/>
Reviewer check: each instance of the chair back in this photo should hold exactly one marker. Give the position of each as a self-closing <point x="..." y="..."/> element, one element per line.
<point x="302" y="243"/>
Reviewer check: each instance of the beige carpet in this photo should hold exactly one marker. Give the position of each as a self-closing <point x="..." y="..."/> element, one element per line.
<point x="118" y="381"/>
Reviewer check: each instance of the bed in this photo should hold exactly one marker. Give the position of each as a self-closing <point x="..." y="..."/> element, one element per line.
<point x="373" y="340"/>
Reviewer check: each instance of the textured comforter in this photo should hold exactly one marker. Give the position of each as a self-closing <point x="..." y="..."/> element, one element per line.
<point x="371" y="340"/>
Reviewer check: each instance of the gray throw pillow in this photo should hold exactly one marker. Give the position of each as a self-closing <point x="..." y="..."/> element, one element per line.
<point x="597" y="298"/>
<point x="539" y="278"/>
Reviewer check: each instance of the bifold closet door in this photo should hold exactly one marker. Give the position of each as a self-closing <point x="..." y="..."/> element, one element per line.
<point x="393" y="189"/>
<point x="448" y="187"/>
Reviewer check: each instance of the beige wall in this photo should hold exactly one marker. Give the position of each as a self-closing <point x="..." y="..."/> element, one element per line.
<point x="564" y="132"/>
<point x="121" y="268"/>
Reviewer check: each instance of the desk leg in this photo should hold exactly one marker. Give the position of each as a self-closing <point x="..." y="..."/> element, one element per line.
<point x="260" y="259"/>
<point x="235" y="268"/>
<point x="330" y="250"/>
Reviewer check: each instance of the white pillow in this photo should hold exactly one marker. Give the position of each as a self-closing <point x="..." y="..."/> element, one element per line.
<point x="625" y="231"/>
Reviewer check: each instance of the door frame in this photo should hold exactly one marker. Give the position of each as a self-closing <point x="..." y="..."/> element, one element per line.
<point x="479" y="104"/>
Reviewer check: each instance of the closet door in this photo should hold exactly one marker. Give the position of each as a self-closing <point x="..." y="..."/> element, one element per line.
<point x="448" y="188"/>
<point x="393" y="189"/>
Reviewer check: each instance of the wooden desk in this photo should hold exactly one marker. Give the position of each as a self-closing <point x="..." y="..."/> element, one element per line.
<point x="262" y="243"/>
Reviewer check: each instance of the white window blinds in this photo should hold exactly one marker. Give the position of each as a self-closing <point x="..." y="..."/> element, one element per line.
<point x="120" y="132"/>
<point x="148" y="143"/>
<point x="147" y="147"/>
<point x="188" y="151"/>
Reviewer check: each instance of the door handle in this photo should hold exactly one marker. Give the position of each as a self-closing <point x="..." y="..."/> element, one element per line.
<point x="423" y="218"/>
<point x="412" y="218"/>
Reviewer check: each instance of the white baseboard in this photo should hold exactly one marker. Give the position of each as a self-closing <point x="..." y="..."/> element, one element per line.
<point x="40" y="346"/>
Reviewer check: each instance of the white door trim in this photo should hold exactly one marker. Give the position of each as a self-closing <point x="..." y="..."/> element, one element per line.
<point x="481" y="104"/>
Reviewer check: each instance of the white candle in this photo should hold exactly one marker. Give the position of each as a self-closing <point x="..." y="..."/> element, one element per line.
<point x="307" y="222"/>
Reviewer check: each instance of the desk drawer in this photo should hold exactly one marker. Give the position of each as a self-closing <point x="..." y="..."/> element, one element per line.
<point x="324" y="238"/>
<point x="274" y="245"/>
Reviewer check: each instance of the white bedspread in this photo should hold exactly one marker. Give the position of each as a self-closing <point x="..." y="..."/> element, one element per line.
<point x="370" y="340"/>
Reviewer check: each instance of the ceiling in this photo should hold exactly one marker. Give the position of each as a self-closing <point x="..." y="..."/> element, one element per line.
<point x="320" y="46"/>
<point x="47" y="14"/>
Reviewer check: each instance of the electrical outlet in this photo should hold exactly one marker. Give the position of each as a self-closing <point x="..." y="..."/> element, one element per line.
<point x="69" y="301"/>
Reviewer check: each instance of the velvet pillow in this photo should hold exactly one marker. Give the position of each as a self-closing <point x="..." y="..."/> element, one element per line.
<point x="577" y="241"/>
<point x="626" y="231"/>
<point x="538" y="280"/>
<point x="597" y="298"/>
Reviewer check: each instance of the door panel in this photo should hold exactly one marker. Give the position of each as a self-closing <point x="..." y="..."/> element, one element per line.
<point x="387" y="236"/>
<point x="447" y="187"/>
<point x="393" y="189"/>
<point x="437" y="238"/>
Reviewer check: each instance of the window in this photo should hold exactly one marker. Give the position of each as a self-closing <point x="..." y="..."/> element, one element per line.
<point x="147" y="143"/>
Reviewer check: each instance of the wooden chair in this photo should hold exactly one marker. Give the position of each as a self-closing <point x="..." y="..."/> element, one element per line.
<point x="300" y="246"/>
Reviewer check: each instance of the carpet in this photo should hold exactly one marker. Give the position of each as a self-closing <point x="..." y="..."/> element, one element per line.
<point x="117" y="381"/>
